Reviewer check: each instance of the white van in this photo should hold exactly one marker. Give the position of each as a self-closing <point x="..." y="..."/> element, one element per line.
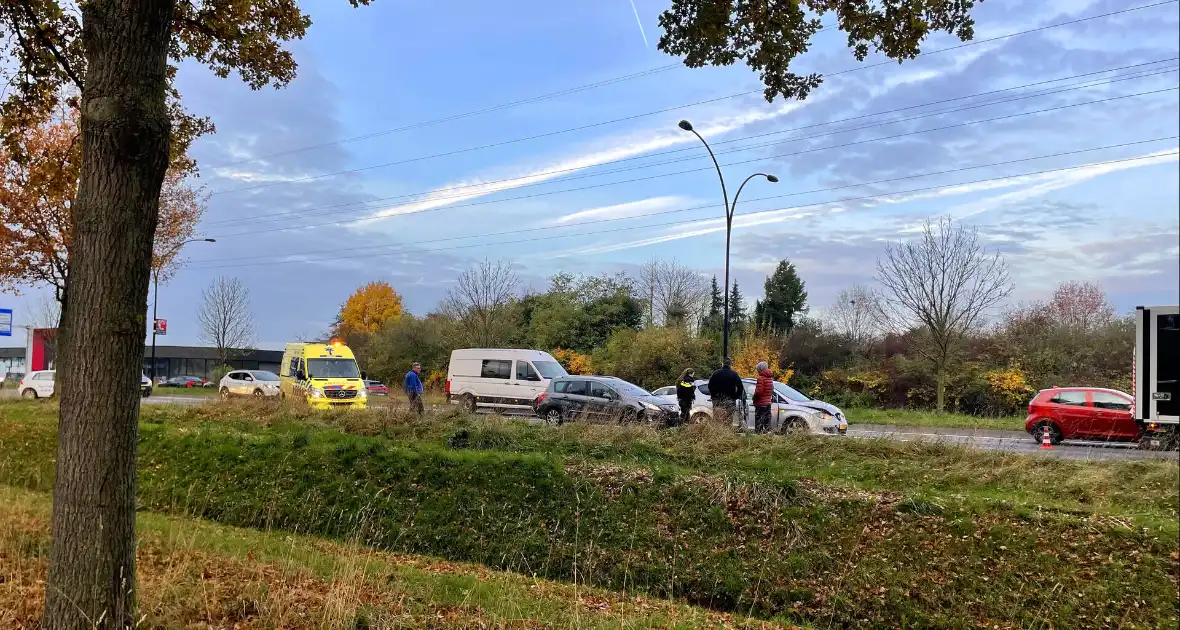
<point x="499" y="378"/>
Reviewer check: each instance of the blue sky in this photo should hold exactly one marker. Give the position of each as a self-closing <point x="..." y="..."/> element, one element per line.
<point x="303" y="241"/>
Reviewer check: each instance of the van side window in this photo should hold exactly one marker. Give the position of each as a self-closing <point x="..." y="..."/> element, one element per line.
<point x="525" y="372"/>
<point x="496" y="368"/>
<point x="293" y="367"/>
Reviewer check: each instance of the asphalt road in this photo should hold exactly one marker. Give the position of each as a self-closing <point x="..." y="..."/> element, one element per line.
<point x="1009" y="441"/>
<point x="987" y="440"/>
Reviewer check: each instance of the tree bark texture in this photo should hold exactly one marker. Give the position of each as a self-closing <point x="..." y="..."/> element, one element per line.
<point x="125" y="137"/>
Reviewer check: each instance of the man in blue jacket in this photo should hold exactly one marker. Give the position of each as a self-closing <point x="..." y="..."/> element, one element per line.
<point x="414" y="389"/>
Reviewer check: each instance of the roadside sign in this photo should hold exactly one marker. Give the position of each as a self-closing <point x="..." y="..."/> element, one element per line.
<point x="5" y="322"/>
<point x="161" y="327"/>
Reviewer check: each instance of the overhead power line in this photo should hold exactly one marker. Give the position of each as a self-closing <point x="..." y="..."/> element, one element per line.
<point x="432" y="194"/>
<point x="650" y="177"/>
<point x="476" y="112"/>
<point x="552" y="228"/>
<point x="669" y="109"/>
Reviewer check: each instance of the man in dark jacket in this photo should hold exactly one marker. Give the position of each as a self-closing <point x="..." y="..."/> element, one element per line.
<point x="685" y="394"/>
<point x="726" y="389"/>
<point x="763" y="398"/>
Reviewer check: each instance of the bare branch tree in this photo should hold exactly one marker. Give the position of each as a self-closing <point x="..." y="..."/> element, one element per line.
<point x="945" y="284"/>
<point x="1080" y="305"/>
<point x="855" y="315"/>
<point x="479" y="302"/>
<point x="225" y="318"/>
<point x="677" y="295"/>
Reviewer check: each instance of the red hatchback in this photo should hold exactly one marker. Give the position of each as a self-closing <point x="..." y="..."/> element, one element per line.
<point x="1081" y="413"/>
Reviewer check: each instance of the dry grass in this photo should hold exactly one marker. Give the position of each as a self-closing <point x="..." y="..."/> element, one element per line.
<point x="193" y="574"/>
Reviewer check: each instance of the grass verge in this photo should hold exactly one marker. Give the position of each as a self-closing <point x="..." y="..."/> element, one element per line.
<point x="198" y="574"/>
<point x="923" y="418"/>
<point x="825" y="531"/>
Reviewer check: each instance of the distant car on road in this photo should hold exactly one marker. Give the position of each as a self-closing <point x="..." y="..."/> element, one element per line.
<point x="183" y="381"/>
<point x="602" y="399"/>
<point x="145" y="385"/>
<point x="376" y="388"/>
<point x="791" y="410"/>
<point x="256" y="383"/>
<point x="1081" y="413"/>
<point x="39" y="384"/>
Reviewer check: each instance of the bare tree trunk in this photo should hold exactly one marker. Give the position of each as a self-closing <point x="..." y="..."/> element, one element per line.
<point x="940" y="387"/>
<point x="125" y="136"/>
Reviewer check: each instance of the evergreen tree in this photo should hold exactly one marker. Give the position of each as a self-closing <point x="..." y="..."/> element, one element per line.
<point x="737" y="310"/>
<point x="785" y="299"/>
<point x="711" y="322"/>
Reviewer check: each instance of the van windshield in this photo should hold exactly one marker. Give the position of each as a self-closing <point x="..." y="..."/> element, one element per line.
<point x="332" y="368"/>
<point x="550" y="369"/>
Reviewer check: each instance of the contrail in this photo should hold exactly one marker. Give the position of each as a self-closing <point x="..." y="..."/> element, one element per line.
<point x="637" y="21"/>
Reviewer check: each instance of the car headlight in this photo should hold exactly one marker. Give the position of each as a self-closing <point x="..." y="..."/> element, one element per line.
<point x="317" y="392"/>
<point x="649" y="406"/>
<point x="362" y="393"/>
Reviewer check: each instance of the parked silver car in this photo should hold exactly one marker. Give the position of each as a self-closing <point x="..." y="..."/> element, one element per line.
<point x="791" y="410"/>
<point x="256" y="383"/>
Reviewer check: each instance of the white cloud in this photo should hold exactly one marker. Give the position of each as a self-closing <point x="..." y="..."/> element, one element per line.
<point x="1039" y="185"/>
<point x="615" y="149"/>
<point x="622" y="210"/>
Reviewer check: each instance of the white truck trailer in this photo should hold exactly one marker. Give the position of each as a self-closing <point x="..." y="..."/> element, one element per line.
<point x="1156" y="370"/>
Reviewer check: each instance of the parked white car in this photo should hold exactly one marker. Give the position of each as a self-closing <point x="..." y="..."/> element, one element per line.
<point x="791" y="410"/>
<point x="38" y="384"/>
<point x="256" y="383"/>
<point x="500" y="378"/>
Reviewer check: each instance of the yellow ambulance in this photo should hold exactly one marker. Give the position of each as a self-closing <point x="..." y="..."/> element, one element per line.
<point x="323" y="374"/>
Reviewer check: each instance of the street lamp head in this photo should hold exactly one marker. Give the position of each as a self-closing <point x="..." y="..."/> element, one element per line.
<point x="685" y="125"/>
<point x="772" y="179"/>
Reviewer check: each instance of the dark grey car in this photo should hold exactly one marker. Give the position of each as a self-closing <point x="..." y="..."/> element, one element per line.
<point x="602" y="399"/>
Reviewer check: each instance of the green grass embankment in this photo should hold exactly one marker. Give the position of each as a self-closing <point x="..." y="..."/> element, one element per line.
<point x="822" y="531"/>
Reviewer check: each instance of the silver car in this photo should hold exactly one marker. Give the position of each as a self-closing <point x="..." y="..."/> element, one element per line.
<point x="257" y="383"/>
<point x="791" y="410"/>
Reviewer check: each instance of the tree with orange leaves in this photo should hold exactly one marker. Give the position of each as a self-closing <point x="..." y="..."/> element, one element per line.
<point x="367" y="309"/>
<point x="38" y="183"/>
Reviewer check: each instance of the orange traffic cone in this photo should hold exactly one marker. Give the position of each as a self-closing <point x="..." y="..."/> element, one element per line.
<point x="1046" y="441"/>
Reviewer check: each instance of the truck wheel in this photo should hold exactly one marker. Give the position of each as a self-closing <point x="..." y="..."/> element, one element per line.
<point x="467" y="402"/>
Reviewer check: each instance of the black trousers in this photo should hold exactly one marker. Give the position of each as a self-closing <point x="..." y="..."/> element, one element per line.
<point x="416" y="402"/>
<point x="685" y="407"/>
<point x="762" y="418"/>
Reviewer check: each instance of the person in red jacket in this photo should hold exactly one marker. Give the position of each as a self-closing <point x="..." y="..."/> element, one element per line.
<point x="762" y="398"/>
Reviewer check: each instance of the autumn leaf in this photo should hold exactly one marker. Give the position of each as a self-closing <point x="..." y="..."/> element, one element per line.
<point x="38" y="182"/>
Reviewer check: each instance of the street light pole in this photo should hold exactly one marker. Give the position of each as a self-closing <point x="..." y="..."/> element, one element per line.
<point x="156" y="298"/>
<point x="730" y="210"/>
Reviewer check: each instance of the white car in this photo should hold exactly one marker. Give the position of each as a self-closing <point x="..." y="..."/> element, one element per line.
<point x="256" y="383"/>
<point x="38" y="384"/>
<point x="790" y="409"/>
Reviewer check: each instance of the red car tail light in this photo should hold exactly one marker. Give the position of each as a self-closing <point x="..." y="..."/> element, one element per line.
<point x="448" y="387"/>
<point x="540" y="398"/>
